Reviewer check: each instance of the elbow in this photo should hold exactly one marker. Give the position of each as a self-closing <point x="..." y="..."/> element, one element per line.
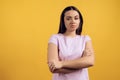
<point x="92" y="63"/>
<point x="51" y="71"/>
<point x="92" y="60"/>
<point x="55" y="71"/>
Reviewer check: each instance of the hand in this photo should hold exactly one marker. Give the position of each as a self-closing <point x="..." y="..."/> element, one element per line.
<point x="54" y="65"/>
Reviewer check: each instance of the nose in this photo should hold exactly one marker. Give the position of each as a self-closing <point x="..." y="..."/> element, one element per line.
<point x="73" y="21"/>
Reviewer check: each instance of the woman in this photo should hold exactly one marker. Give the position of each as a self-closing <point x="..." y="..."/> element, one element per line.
<point x="69" y="52"/>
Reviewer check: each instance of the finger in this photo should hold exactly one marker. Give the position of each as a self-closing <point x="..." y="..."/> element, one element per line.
<point x="52" y="67"/>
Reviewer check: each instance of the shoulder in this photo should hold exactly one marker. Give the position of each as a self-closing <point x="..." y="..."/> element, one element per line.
<point x="85" y="37"/>
<point x="55" y="35"/>
<point x="88" y="41"/>
<point x="54" y="38"/>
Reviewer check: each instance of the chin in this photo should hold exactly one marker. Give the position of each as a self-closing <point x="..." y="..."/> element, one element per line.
<point x="73" y="30"/>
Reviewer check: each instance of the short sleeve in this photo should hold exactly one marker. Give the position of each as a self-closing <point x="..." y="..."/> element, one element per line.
<point x="87" y="38"/>
<point x="53" y="39"/>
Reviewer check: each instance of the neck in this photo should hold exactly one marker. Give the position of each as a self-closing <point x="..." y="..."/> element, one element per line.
<point x="71" y="34"/>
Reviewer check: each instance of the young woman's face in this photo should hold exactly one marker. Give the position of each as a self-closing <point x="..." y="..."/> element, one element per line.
<point x="71" y="20"/>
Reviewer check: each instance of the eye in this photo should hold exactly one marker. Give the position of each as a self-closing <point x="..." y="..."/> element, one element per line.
<point x="76" y="18"/>
<point x="68" y="18"/>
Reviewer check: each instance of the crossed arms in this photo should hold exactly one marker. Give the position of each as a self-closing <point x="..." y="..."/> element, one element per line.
<point x="57" y="66"/>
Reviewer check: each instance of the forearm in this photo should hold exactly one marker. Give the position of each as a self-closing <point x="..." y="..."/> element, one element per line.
<point x="80" y="63"/>
<point x="64" y="70"/>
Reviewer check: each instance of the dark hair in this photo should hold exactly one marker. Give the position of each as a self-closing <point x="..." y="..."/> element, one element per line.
<point x="62" y="27"/>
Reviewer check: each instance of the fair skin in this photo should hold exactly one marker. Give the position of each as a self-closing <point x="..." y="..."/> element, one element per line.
<point x="71" y="20"/>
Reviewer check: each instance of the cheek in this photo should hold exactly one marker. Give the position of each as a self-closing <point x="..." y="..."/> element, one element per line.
<point x="66" y="23"/>
<point x="78" y="21"/>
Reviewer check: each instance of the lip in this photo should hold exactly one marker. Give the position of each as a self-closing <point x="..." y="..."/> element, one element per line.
<point x="73" y="25"/>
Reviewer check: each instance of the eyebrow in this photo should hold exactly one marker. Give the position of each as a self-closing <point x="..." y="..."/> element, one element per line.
<point x="71" y="16"/>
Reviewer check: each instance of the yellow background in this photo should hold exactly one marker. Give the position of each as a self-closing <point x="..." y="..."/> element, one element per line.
<point x="26" y="25"/>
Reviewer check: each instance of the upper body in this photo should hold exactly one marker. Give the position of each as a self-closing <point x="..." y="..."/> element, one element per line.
<point x="70" y="48"/>
<point x="69" y="52"/>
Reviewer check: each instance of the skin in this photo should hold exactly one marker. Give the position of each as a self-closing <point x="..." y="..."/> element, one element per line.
<point x="72" y="21"/>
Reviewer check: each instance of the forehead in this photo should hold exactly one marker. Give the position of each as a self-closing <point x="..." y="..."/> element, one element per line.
<point x="71" y="13"/>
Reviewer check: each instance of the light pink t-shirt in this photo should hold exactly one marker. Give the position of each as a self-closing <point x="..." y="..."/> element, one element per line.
<point x="70" y="48"/>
